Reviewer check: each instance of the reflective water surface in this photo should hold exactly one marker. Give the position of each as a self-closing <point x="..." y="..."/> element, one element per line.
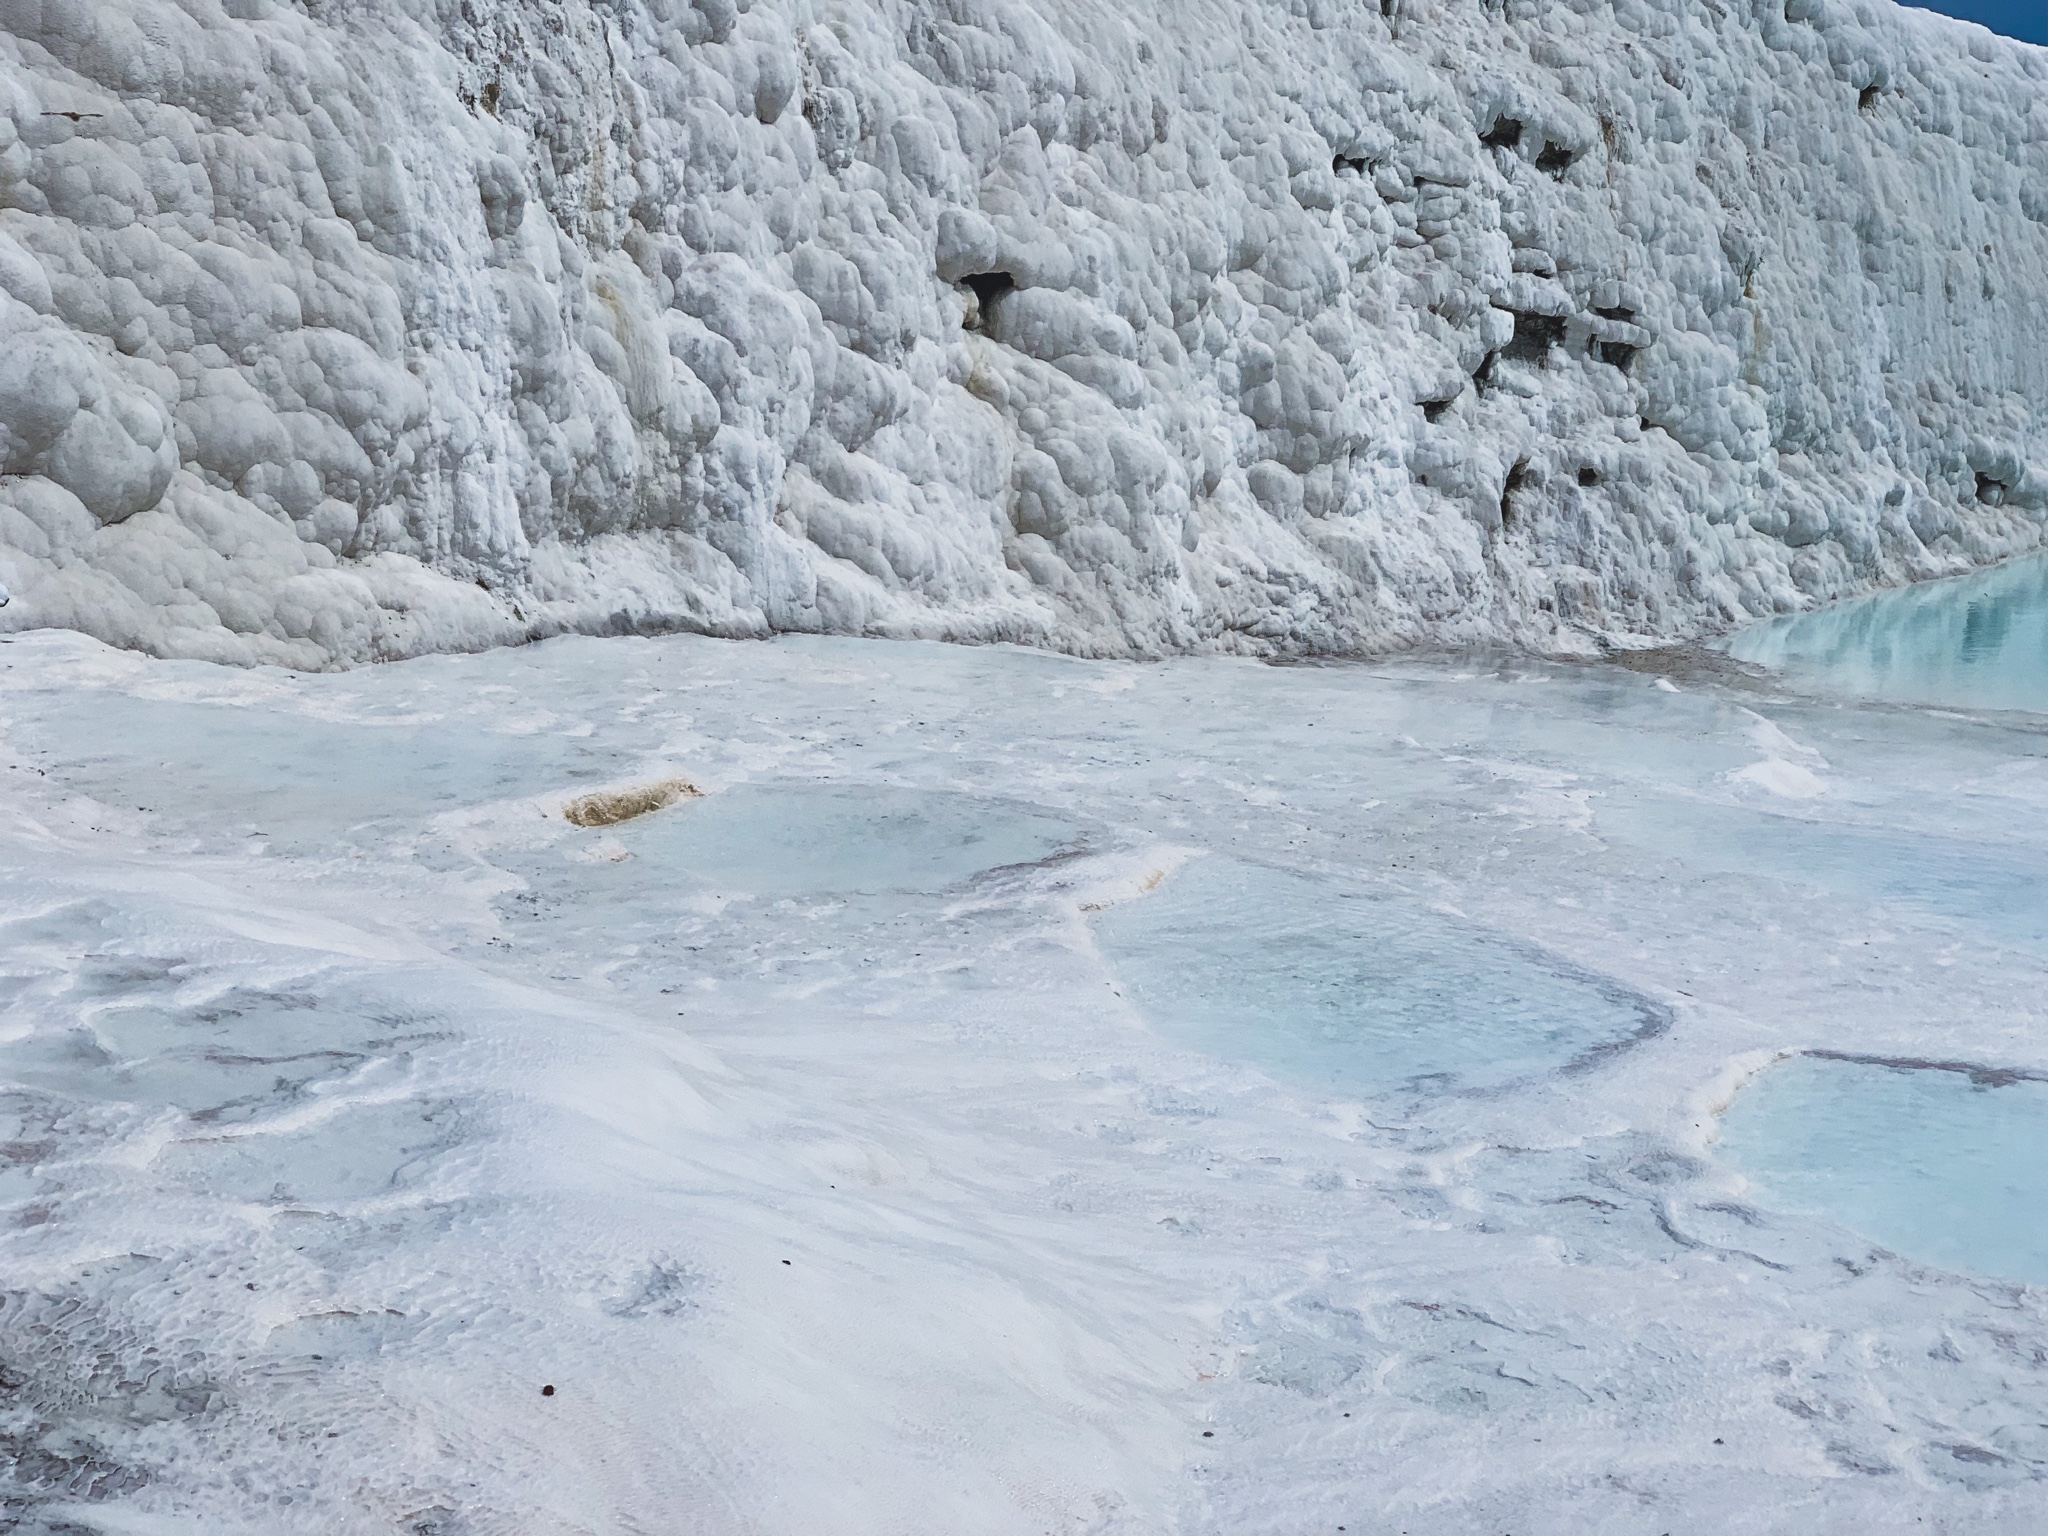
<point x="1974" y="642"/>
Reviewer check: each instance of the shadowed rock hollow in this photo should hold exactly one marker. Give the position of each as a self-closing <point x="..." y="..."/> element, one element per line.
<point x="336" y="332"/>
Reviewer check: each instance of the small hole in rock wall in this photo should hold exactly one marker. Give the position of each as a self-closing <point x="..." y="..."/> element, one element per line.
<point x="986" y="287"/>
<point x="1517" y="478"/>
<point x="1505" y="133"/>
<point x="1534" y="336"/>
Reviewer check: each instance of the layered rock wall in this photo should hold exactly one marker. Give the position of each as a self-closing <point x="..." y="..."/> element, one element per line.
<point x="347" y="329"/>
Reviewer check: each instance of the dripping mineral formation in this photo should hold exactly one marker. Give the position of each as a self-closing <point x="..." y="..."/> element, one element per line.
<point x="335" y="332"/>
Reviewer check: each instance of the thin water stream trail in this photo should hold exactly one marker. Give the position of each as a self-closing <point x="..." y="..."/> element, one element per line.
<point x="1013" y="1093"/>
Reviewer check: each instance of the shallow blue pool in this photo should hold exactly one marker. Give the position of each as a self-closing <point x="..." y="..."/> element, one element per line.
<point x="1991" y="890"/>
<point x="1930" y="1163"/>
<point x="1975" y="642"/>
<point x="783" y="840"/>
<point x="1316" y="983"/>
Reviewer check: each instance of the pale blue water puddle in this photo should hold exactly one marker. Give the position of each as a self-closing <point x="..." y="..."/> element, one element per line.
<point x="1934" y="1164"/>
<point x="1997" y="891"/>
<point x="295" y="777"/>
<point x="1365" y="994"/>
<point x="300" y="779"/>
<point x="783" y="885"/>
<point x="1972" y="642"/>
<point x="787" y="840"/>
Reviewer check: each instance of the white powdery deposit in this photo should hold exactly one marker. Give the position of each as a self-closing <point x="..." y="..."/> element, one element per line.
<point x="1020" y="1094"/>
<point x="346" y="329"/>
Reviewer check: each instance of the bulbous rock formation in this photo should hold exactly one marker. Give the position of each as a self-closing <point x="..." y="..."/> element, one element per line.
<point x="341" y="331"/>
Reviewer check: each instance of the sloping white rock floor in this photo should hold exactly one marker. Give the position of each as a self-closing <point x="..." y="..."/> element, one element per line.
<point x="1022" y="1094"/>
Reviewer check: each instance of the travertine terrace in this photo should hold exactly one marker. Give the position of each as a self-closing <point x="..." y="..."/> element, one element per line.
<point x="344" y="331"/>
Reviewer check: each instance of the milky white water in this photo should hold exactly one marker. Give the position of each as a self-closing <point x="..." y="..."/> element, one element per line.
<point x="1021" y="1094"/>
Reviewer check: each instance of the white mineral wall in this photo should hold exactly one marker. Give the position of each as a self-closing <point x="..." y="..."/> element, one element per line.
<point x="346" y="329"/>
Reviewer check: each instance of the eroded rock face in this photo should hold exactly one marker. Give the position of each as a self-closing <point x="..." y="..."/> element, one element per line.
<point x="342" y="331"/>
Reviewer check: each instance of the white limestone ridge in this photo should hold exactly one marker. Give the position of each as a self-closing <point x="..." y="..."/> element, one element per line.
<point x="339" y="330"/>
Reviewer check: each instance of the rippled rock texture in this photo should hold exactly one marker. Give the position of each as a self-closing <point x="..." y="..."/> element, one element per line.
<point x="338" y="331"/>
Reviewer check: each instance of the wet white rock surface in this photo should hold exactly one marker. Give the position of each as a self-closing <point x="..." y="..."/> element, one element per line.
<point x="353" y="1097"/>
<point x="345" y="332"/>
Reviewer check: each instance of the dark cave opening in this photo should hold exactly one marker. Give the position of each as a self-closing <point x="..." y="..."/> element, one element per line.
<point x="986" y="287"/>
<point x="1534" y="336"/>
<point x="1517" y="478"/>
<point x="1505" y="133"/>
<point x="1482" y="376"/>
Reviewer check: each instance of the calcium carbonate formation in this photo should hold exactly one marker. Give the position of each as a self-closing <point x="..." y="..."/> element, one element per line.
<point x="338" y="330"/>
